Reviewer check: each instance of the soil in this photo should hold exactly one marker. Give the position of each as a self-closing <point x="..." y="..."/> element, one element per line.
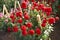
<point x="6" y="36"/>
<point x="55" y="35"/>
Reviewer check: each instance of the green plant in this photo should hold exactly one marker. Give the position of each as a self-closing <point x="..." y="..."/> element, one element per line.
<point x="9" y="4"/>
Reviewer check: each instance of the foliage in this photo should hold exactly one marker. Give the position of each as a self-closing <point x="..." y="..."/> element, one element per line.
<point x="9" y="4"/>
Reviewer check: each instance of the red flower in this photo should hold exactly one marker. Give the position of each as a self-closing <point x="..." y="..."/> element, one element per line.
<point x="19" y="14"/>
<point x="44" y="9"/>
<point x="48" y="13"/>
<point x="24" y="5"/>
<point x="43" y="24"/>
<point x="38" y="31"/>
<point x="27" y="17"/>
<point x="26" y="0"/>
<point x="40" y="6"/>
<point x="24" y="33"/>
<point x="23" y="27"/>
<point x="51" y="20"/>
<point x="20" y="20"/>
<point x="8" y="29"/>
<point x="33" y="0"/>
<point x="29" y="24"/>
<point x="12" y="16"/>
<point x="15" y="29"/>
<point x="47" y="9"/>
<point x="31" y="32"/>
<point x="32" y="8"/>
<point x="44" y="21"/>
<point x="35" y="4"/>
<point x="56" y="18"/>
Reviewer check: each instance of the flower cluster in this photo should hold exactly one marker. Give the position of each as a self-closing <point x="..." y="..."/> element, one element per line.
<point x="31" y="19"/>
